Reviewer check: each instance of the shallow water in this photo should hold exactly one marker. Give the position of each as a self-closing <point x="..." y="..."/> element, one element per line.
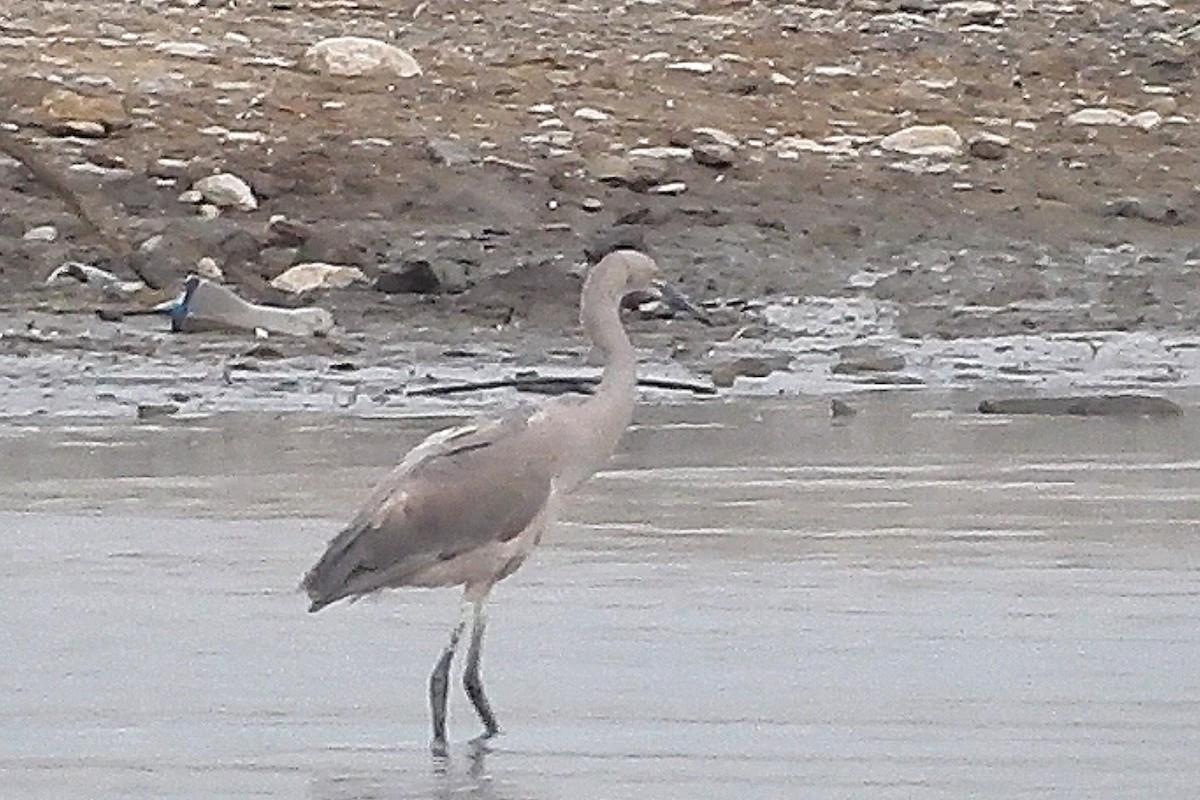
<point x="752" y="602"/>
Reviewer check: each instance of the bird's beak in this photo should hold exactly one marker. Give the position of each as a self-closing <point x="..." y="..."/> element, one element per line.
<point x="678" y="302"/>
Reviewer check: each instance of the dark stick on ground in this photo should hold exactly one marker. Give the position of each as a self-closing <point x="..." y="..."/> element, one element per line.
<point x="555" y="386"/>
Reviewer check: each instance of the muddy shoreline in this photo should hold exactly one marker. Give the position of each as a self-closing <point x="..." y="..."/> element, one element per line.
<point x="515" y="153"/>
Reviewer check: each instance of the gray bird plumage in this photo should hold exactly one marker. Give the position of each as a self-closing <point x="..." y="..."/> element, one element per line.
<point x="460" y="489"/>
<point x="469" y="504"/>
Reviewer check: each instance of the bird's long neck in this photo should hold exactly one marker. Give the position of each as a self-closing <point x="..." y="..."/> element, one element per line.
<point x="606" y="414"/>
<point x="601" y="318"/>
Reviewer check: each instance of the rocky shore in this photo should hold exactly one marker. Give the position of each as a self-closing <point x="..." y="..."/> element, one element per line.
<point x="963" y="169"/>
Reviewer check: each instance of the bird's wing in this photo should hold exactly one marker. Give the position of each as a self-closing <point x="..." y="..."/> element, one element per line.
<point x="458" y="490"/>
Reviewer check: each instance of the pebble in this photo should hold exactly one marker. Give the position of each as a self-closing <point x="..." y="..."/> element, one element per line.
<point x="977" y="12"/>
<point x="713" y="154"/>
<point x="661" y="152"/>
<point x="989" y="146"/>
<point x="591" y="204"/>
<point x="840" y="409"/>
<point x="1098" y="116"/>
<point x="637" y="174"/>
<point x="42" y="233"/>
<point x="194" y="50"/>
<point x="835" y="71"/>
<point x="726" y="373"/>
<point x="146" y="411"/>
<point x="591" y="114"/>
<point x="856" y="359"/>
<point x="207" y="267"/>
<point x="719" y="136"/>
<point x="924" y="140"/>
<point x="83" y="129"/>
<point x="696" y="67"/>
<point x="449" y="152"/>
<point x="1146" y="120"/>
<point x="673" y="188"/>
<point x="356" y="56"/>
<point x="226" y="190"/>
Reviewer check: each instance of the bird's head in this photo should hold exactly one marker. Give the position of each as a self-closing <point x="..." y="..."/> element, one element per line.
<point x="637" y="280"/>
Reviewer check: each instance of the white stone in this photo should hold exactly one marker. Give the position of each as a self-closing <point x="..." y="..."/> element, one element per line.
<point x="678" y="187"/>
<point x="591" y="114"/>
<point x="207" y="268"/>
<point x="317" y="275"/>
<point x="789" y="148"/>
<point x="250" y="137"/>
<point x="42" y="233"/>
<point x="924" y="140"/>
<point x="94" y="276"/>
<point x="779" y="79"/>
<point x="226" y="190"/>
<point x="197" y="50"/>
<point x="354" y="56"/>
<point x="1098" y="116"/>
<point x="834" y="71"/>
<point x="661" y="152"/>
<point x="719" y="136"/>
<point x="1146" y="120"/>
<point x="697" y="67"/>
<point x="541" y="108"/>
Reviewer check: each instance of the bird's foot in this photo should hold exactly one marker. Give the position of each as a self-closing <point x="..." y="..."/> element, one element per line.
<point x="439" y="748"/>
<point x="484" y="740"/>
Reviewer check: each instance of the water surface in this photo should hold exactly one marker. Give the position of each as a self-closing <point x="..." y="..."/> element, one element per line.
<point x="753" y="602"/>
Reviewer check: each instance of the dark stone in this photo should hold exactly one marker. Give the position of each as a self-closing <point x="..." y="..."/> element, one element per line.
<point x="857" y="359"/>
<point x="727" y="372"/>
<point x="1126" y="405"/>
<point x="337" y="245"/>
<point x="449" y="152"/>
<point x="419" y="276"/>
<point x="287" y="233"/>
<point x="839" y="409"/>
<point x="1148" y="210"/>
<point x="239" y="247"/>
<point x="713" y="154"/>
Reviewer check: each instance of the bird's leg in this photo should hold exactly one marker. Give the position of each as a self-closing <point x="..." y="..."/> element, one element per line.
<point x="439" y="685"/>
<point x="472" y="681"/>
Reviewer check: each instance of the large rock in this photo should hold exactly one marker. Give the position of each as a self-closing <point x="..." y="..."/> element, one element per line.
<point x="638" y="173"/>
<point x="924" y="140"/>
<point x="226" y="190"/>
<point x="71" y="113"/>
<point x="357" y="56"/>
<point x="866" y="358"/>
<point x="313" y="276"/>
<point x="419" y="276"/>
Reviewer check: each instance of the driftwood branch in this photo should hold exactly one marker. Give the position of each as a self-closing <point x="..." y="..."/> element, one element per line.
<point x="555" y="385"/>
<point x="91" y="211"/>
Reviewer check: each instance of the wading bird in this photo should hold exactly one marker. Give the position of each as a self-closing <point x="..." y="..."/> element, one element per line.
<point x="468" y="505"/>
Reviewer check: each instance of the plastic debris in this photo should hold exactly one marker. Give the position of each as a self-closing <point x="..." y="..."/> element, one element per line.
<point x="207" y="306"/>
